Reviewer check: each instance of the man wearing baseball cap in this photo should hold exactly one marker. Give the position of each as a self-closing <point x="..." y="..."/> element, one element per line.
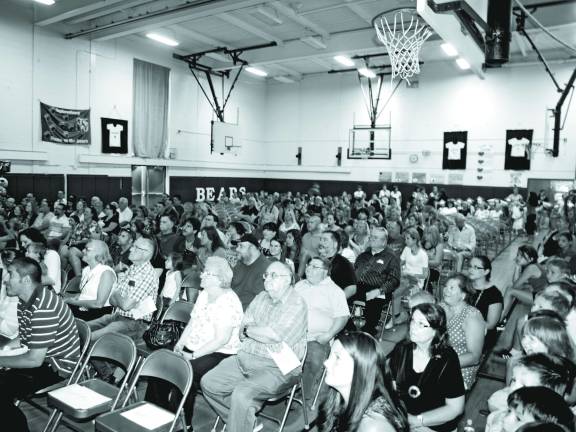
<point x="248" y="280"/>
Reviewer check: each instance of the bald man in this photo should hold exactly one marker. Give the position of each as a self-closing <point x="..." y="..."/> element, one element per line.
<point x="139" y="284"/>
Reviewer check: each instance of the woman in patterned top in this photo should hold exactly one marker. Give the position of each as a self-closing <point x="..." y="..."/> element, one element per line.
<point x="210" y="336"/>
<point x="360" y="397"/>
<point x="466" y="327"/>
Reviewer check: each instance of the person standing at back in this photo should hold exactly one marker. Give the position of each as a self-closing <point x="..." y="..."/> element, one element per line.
<point x="248" y="278"/>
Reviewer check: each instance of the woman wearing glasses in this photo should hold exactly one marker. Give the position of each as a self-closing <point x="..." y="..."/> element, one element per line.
<point x="426" y="372"/>
<point x="486" y="297"/>
<point x="210" y="336"/>
<point x="96" y="283"/>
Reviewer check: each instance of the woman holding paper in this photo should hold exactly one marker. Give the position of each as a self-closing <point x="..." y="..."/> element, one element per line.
<point x="210" y="336"/>
<point x="361" y="397"/>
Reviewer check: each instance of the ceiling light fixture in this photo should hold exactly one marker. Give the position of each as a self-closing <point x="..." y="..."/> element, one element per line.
<point x="284" y="79"/>
<point x="343" y="60"/>
<point x="256" y="71"/>
<point x="269" y="15"/>
<point x="367" y="73"/>
<point x="314" y="42"/>
<point x="463" y="63"/>
<point x="45" y="2"/>
<point x="162" y="39"/>
<point x="449" y="49"/>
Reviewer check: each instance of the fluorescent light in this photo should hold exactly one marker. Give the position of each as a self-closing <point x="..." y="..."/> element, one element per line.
<point x="284" y="79"/>
<point x="162" y="39"/>
<point x="367" y="73"/>
<point x="346" y="61"/>
<point x="269" y="15"/>
<point x="256" y="71"/>
<point x="449" y="49"/>
<point x="463" y="63"/>
<point x="45" y="2"/>
<point x="314" y="42"/>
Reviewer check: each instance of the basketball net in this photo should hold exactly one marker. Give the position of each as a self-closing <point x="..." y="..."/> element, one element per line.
<point x="403" y="41"/>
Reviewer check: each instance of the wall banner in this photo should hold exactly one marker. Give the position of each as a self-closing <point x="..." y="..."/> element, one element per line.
<point x="64" y="126"/>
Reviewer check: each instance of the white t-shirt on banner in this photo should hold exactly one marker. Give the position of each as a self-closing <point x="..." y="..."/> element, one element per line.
<point x="114" y="135"/>
<point x="455" y="150"/>
<point x="518" y="147"/>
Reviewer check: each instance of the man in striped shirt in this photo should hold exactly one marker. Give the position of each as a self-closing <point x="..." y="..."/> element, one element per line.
<point x="240" y="384"/>
<point x="47" y="335"/>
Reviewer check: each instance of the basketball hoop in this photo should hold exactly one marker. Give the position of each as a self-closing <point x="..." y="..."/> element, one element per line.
<point x="403" y="33"/>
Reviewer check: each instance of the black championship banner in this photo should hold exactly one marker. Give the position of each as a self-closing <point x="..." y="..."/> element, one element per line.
<point x="518" y="145"/>
<point x="64" y="126"/>
<point x="114" y="136"/>
<point x="455" y="150"/>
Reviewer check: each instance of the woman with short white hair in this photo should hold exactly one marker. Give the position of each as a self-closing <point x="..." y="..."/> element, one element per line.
<point x="211" y="334"/>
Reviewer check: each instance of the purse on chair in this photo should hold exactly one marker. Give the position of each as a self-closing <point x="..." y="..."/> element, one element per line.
<point x="163" y="334"/>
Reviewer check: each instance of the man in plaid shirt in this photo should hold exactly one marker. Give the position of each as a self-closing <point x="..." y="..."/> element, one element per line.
<point x="139" y="282"/>
<point x="240" y="384"/>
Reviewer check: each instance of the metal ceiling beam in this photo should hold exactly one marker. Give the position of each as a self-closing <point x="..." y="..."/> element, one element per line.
<point x="235" y="21"/>
<point x="61" y="14"/>
<point x="191" y="10"/>
<point x="200" y="37"/>
<point x="303" y="21"/>
<point x="320" y="62"/>
<point x="107" y="11"/>
<point x="359" y="10"/>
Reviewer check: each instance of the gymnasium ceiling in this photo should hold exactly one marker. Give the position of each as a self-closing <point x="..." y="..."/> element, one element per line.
<point x="332" y="27"/>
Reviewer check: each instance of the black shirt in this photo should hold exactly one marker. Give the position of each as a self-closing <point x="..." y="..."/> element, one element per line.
<point x="483" y="299"/>
<point x="440" y="380"/>
<point x="379" y="271"/>
<point x="342" y="271"/>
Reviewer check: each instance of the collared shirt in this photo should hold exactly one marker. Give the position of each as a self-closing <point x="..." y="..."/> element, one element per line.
<point x="286" y="316"/>
<point x="325" y="301"/>
<point x="124" y="215"/>
<point x="145" y="285"/>
<point x="45" y="321"/>
<point x="57" y="226"/>
<point x="377" y="271"/>
<point x="462" y="239"/>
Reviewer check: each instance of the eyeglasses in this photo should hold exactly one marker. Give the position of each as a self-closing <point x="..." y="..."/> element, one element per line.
<point x="420" y="324"/>
<point x="140" y="248"/>
<point x="273" y="275"/>
<point x="477" y="268"/>
<point x="309" y="265"/>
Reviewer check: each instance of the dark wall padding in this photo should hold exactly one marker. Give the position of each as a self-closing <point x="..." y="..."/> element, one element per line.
<point x="107" y="188"/>
<point x="186" y="187"/>
<point x="41" y="185"/>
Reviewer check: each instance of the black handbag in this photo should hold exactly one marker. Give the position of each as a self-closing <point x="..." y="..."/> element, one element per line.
<point x="163" y="334"/>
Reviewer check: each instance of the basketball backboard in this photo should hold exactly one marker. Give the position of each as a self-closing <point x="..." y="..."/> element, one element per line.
<point x="440" y="15"/>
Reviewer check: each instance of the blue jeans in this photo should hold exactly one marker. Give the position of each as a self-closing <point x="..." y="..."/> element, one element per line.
<point x="238" y="387"/>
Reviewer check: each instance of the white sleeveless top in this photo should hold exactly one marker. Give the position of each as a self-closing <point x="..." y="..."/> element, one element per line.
<point x="91" y="280"/>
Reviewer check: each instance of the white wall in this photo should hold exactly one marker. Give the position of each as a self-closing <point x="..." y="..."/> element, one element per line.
<point x="39" y="65"/>
<point x="317" y="113"/>
<point x="276" y="119"/>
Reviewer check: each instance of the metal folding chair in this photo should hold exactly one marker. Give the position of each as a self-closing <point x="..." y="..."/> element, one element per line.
<point x="289" y="396"/>
<point x="161" y="364"/>
<point x="179" y="311"/>
<point x="115" y="347"/>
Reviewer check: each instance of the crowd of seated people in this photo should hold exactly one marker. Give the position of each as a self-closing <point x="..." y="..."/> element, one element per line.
<point x="269" y="271"/>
